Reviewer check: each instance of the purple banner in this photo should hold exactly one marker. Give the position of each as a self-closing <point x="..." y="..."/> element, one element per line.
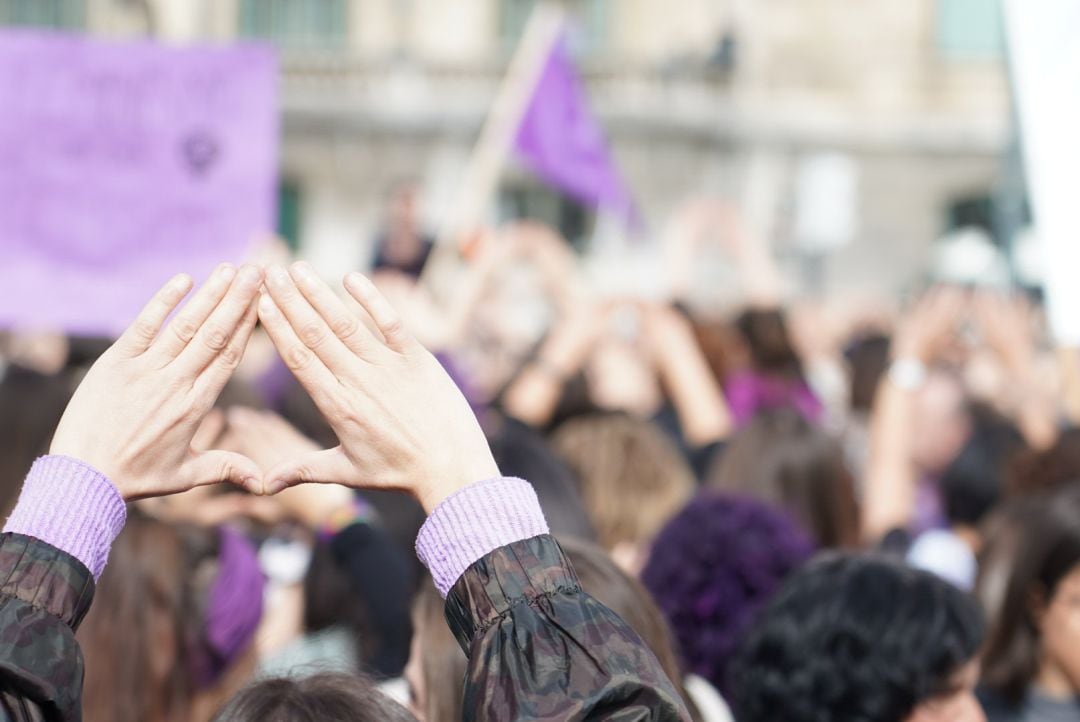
<point x="562" y="142"/>
<point x="122" y="164"/>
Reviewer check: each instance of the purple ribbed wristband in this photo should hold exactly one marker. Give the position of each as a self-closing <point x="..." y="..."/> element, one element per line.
<point x="474" y="522"/>
<point x="71" y="506"/>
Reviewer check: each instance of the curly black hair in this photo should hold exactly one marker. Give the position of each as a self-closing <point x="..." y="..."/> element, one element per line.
<point x="854" y="638"/>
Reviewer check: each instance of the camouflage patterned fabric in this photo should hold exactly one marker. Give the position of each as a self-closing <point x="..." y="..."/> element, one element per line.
<point x="44" y="594"/>
<point x="539" y="648"/>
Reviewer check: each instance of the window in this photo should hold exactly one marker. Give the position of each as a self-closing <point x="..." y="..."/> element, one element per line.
<point x="528" y="200"/>
<point x="970" y="29"/>
<point x="315" y="24"/>
<point x="588" y="32"/>
<point x="289" y="210"/>
<point x="44" y="13"/>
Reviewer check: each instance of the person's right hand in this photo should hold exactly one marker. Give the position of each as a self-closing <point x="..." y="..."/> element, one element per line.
<point x="134" y="416"/>
<point x="400" y="420"/>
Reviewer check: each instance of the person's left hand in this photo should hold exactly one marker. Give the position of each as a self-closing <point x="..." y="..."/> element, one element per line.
<point x="134" y="416"/>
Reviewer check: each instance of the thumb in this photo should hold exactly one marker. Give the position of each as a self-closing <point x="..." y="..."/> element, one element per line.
<point x="212" y="467"/>
<point x="330" y="466"/>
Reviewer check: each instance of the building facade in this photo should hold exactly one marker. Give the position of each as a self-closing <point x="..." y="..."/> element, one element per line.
<point x="902" y="107"/>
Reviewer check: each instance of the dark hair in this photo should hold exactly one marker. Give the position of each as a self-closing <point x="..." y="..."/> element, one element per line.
<point x="324" y="697"/>
<point x="784" y="459"/>
<point x="519" y="451"/>
<point x="771" y="349"/>
<point x="974" y="482"/>
<point x="867" y="358"/>
<point x="138" y="638"/>
<point x="361" y="581"/>
<point x="713" y="566"/>
<point x="31" y="405"/>
<point x="853" y="639"/>
<point x="1048" y="550"/>
<point x="1035" y="471"/>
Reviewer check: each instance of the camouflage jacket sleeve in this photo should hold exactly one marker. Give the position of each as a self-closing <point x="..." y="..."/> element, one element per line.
<point x="44" y="594"/>
<point x="539" y="648"/>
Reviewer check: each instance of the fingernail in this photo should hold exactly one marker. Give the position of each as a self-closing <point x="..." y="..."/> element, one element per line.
<point x="266" y="305"/>
<point x="277" y="275"/>
<point x="253" y="485"/>
<point x="250" y="275"/>
<point x="226" y="271"/>
<point x="273" y="487"/>
<point x="353" y="279"/>
<point x="303" y="269"/>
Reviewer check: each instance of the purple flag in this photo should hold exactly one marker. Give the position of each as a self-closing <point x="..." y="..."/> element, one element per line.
<point x="561" y="141"/>
<point x="122" y="164"/>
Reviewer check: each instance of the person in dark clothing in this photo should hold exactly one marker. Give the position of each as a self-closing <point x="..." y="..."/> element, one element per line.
<point x="127" y="434"/>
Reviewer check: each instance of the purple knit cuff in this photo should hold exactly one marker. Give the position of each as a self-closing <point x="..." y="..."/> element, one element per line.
<point x="474" y="522"/>
<point x="71" y="506"/>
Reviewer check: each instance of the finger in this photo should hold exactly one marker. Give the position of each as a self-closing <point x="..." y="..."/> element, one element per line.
<point x="221" y="369"/>
<point x="194" y="313"/>
<point x="213" y="336"/>
<point x="329" y="466"/>
<point x="212" y="467"/>
<point x="209" y="430"/>
<point x="342" y="322"/>
<point x="141" y="333"/>
<point x="308" y="369"/>
<point x="382" y="313"/>
<point x="307" y="324"/>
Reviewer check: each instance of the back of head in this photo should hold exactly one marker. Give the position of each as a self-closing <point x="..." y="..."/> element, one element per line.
<point x="633" y="477"/>
<point x="868" y="359"/>
<point x="853" y="639"/>
<point x="318" y="698"/>
<point x="782" y="458"/>
<point x="519" y="451"/>
<point x="974" y="482"/>
<point x="712" y="568"/>
<point x="1039" y="471"/>
<point x="137" y="637"/>
<point x="1047" y="549"/>
<point x="771" y="349"/>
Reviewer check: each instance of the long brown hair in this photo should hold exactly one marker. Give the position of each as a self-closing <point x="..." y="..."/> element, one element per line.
<point x="782" y="458"/>
<point x="137" y="636"/>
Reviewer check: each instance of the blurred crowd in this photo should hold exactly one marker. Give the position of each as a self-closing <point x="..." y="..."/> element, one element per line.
<point x="807" y="510"/>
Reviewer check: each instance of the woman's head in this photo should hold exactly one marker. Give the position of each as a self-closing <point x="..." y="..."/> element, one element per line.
<point x="633" y="477"/>
<point x="174" y="616"/>
<point x="318" y="698"/>
<point x="782" y="458"/>
<point x="861" y="638"/>
<point x="766" y="335"/>
<point x="1035" y="636"/>
<point x="711" y="569"/>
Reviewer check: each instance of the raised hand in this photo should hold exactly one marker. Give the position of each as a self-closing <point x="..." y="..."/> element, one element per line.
<point x="401" y="421"/>
<point x="134" y="416"/>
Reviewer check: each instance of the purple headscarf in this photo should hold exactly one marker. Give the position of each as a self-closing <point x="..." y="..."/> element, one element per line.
<point x="233" y="610"/>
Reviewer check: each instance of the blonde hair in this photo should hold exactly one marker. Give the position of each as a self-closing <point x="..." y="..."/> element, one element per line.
<point x="633" y="477"/>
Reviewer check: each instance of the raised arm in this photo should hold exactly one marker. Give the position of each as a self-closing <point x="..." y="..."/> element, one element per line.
<point x="539" y="648"/>
<point x="126" y="434"/>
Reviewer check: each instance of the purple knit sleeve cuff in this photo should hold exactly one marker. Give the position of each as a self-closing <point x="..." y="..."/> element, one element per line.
<point x="474" y="522"/>
<point x="71" y="506"/>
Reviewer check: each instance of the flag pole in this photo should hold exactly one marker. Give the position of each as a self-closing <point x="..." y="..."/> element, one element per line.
<point x="481" y="175"/>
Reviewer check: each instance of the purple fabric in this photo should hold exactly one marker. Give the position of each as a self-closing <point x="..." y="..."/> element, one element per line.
<point x="561" y="141"/>
<point x="233" y="610"/>
<point x="274" y="383"/>
<point x="750" y="392"/>
<point x="71" y="506"/>
<point x="474" y="522"/>
<point x="122" y="163"/>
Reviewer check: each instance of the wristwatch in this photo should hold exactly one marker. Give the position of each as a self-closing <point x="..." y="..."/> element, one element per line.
<point x="907" y="374"/>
